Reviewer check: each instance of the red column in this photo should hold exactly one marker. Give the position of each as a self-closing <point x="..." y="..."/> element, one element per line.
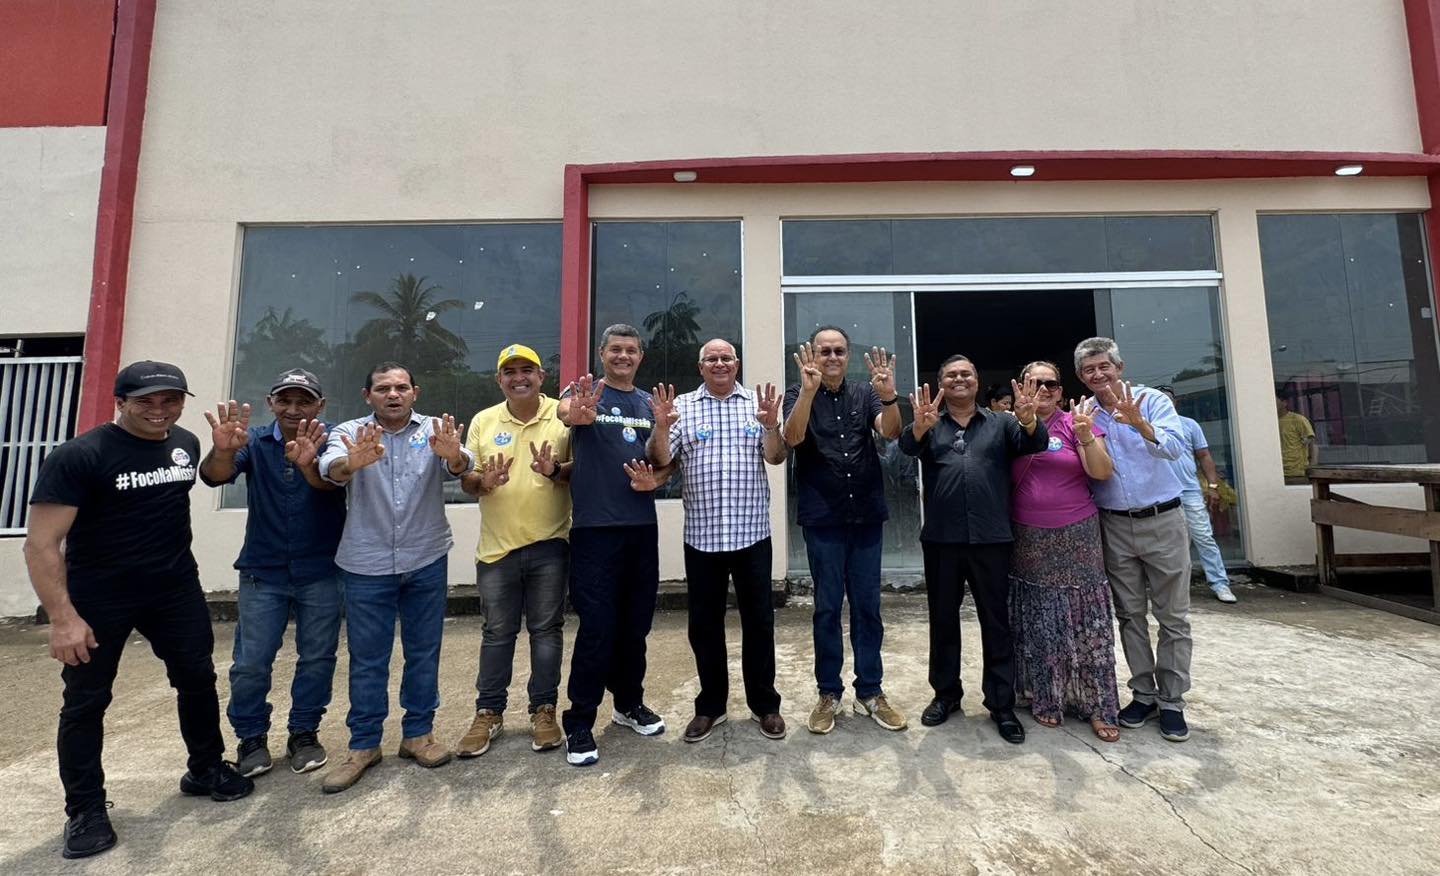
<point x="575" y="278"/>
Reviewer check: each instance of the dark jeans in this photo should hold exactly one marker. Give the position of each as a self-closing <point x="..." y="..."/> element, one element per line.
<point x="986" y="567"/>
<point x="614" y="578"/>
<point x="265" y="608"/>
<point x="528" y="580"/>
<point x="372" y="604"/>
<point x="845" y="563"/>
<point x="707" y="578"/>
<point x="176" y="622"/>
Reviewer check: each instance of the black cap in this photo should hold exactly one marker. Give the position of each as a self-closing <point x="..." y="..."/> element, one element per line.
<point x="298" y="378"/>
<point x="143" y="378"/>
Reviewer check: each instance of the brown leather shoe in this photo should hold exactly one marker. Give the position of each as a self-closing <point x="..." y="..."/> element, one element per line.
<point x="544" y="731"/>
<point x="349" y="770"/>
<point x="425" y="751"/>
<point x="700" y="726"/>
<point x="772" y="726"/>
<point x="485" y="728"/>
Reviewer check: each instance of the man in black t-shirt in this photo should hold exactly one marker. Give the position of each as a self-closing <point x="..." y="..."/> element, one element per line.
<point x="118" y="498"/>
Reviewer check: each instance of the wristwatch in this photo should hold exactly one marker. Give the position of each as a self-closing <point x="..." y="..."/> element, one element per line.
<point x="554" y="472"/>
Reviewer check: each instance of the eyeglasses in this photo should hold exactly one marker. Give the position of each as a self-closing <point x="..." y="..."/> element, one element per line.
<point x="718" y="360"/>
<point x="1048" y="384"/>
<point x="835" y="352"/>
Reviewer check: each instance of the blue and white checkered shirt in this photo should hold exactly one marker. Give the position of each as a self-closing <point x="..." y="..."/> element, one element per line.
<point x="720" y="446"/>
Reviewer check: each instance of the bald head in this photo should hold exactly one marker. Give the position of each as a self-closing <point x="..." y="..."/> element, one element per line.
<point x="719" y="366"/>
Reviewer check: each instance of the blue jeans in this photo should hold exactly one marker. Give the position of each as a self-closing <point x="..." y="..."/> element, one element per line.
<point x="372" y="604"/>
<point x="845" y="562"/>
<point x="529" y="580"/>
<point x="1197" y="518"/>
<point x="265" y="608"/>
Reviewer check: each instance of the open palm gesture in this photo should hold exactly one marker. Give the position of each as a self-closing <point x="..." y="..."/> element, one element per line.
<point x="809" y="367"/>
<point x="767" y="406"/>
<point x="445" y="437"/>
<point x="1127" y="407"/>
<point x="642" y="476"/>
<point x="585" y="399"/>
<point x="495" y="471"/>
<point x="927" y="410"/>
<point x="542" y="459"/>
<point x="882" y="372"/>
<point x="1082" y="419"/>
<point x="662" y="406"/>
<point x="1024" y="399"/>
<point x="229" y="426"/>
<point x="366" y="449"/>
<point x="309" y="438"/>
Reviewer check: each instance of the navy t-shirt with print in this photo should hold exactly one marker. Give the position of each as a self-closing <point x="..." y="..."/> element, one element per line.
<point x="132" y="528"/>
<point x="599" y="488"/>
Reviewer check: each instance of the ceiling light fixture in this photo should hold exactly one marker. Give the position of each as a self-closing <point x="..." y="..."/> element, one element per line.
<point x="1023" y="170"/>
<point x="686" y="176"/>
<point x="1349" y="169"/>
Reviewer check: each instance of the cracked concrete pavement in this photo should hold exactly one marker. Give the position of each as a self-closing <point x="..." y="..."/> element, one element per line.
<point x="1301" y="761"/>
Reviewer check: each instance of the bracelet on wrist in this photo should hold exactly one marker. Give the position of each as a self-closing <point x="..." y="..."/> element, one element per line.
<point x="554" y="472"/>
<point x="891" y="401"/>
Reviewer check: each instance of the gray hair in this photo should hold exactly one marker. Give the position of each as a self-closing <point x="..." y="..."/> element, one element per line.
<point x="1095" y="347"/>
<point x="621" y="330"/>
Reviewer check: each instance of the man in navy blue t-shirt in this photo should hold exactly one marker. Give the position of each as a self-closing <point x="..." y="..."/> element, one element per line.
<point x="614" y="545"/>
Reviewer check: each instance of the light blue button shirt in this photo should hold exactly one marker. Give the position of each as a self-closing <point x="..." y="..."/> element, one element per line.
<point x="1194" y="438"/>
<point x="1143" y="473"/>
<point x="396" y="522"/>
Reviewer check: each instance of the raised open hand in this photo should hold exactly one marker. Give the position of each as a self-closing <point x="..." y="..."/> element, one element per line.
<point x="585" y="399"/>
<point x="927" y="410"/>
<point x="309" y="438"/>
<point x="767" y="404"/>
<point x="1024" y="407"/>
<point x="542" y="459"/>
<point x="366" y="449"/>
<point x="809" y="367"/>
<point x="495" y="471"/>
<point x="642" y="476"/>
<point x="662" y="407"/>
<point x="1082" y="419"/>
<point x="1127" y="407"/>
<point x="229" y="426"/>
<point x="445" y="438"/>
<point x="882" y="372"/>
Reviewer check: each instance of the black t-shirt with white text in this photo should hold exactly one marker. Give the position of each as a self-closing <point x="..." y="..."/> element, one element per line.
<point x="133" y="496"/>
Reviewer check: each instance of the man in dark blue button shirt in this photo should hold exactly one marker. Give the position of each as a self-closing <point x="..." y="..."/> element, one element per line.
<point x="287" y="563"/>
<point x="965" y="451"/>
<point x="841" y="498"/>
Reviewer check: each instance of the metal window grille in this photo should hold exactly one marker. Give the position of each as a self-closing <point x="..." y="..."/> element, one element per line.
<point x="39" y="401"/>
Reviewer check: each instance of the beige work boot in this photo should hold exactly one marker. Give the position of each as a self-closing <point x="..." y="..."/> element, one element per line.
<point x="879" y="708"/>
<point x="822" y="717"/>
<point x="349" y="770"/>
<point x="425" y="751"/>
<point x="544" y="732"/>
<point x="483" y="730"/>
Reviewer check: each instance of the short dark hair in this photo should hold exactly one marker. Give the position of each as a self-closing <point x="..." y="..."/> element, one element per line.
<point x="997" y="391"/>
<point x="382" y="368"/>
<point x="951" y="360"/>
<point x="1167" y="389"/>
<point x="831" y="328"/>
<point x="621" y="330"/>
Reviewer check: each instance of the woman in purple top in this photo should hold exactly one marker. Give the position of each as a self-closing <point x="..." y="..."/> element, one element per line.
<point x="1059" y="596"/>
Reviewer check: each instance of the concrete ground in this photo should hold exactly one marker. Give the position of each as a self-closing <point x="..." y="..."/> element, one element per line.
<point x="1313" y="751"/>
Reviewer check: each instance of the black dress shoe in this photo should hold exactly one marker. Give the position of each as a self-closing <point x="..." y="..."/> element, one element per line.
<point x="1011" y="730"/>
<point x="938" y="712"/>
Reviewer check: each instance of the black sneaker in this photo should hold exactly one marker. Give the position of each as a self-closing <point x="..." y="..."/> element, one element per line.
<point x="220" y="783"/>
<point x="252" y="758"/>
<point x="580" y="748"/>
<point x="1172" y="725"/>
<point x="89" y="832"/>
<point x="1137" y="713"/>
<point x="641" y="720"/>
<point x="305" y="752"/>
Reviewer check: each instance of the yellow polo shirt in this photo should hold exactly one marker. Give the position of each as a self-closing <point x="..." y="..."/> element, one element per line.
<point x="1296" y="436"/>
<point x="530" y="507"/>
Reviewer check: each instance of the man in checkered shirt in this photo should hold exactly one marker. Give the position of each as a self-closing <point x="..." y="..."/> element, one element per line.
<point x="722" y="434"/>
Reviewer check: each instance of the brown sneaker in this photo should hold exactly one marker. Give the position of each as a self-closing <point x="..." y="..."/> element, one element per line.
<point x="879" y="708"/>
<point x="349" y="770"/>
<point x="544" y="732"/>
<point x="425" y="751"/>
<point x="822" y="718"/>
<point x="483" y="730"/>
<point x="772" y="726"/>
<point x="700" y="726"/>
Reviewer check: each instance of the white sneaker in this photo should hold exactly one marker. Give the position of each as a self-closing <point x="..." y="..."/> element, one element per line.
<point x="1224" y="594"/>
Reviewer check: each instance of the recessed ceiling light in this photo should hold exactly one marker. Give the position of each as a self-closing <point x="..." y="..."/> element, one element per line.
<point x="1023" y="170"/>
<point x="1349" y="169"/>
<point x="685" y="176"/>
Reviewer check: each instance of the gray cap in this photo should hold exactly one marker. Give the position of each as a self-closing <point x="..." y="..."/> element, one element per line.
<point x="298" y="378"/>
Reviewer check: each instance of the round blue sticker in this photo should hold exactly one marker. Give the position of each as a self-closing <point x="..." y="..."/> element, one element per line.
<point x="503" y="438"/>
<point x="419" y="439"/>
<point x="628" y="434"/>
<point x="753" y="429"/>
<point x="615" y="411"/>
<point x="1055" y="445"/>
<point x="703" y="432"/>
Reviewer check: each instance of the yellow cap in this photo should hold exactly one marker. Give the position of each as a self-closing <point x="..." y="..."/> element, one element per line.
<point x="518" y="351"/>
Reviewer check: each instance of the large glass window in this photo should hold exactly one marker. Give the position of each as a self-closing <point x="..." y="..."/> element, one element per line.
<point x="442" y="299"/>
<point x="679" y="283"/>
<point x="1352" y="334"/>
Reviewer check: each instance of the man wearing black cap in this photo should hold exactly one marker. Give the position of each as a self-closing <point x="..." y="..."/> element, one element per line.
<point x="286" y="565"/>
<point x="118" y="499"/>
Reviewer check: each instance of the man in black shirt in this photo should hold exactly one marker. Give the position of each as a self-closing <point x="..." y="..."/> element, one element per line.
<point x="965" y="451"/>
<point x="118" y="498"/>
<point x="841" y="498"/>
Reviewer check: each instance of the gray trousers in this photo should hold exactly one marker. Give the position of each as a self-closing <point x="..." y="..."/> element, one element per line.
<point x="529" y="581"/>
<point x="1148" y="562"/>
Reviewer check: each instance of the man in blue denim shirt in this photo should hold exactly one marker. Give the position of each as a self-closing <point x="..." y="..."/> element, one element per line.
<point x="287" y="563"/>
<point x="392" y="561"/>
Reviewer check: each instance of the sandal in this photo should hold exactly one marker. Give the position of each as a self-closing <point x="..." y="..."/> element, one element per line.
<point x="1105" y="732"/>
<point x="1046" y="722"/>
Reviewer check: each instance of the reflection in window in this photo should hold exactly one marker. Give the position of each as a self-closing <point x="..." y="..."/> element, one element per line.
<point x="679" y="284"/>
<point x="1352" y="333"/>
<point x="442" y="299"/>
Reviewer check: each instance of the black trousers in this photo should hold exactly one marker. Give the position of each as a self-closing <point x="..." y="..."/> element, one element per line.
<point x="986" y="567"/>
<point x="176" y="622"/>
<point x="707" y="578"/>
<point x="614" y="578"/>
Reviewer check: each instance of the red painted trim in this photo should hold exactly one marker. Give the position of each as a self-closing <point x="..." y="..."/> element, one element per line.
<point x="575" y="278"/>
<point x="125" y="116"/>
<point x="1422" y="26"/>
<point x="54" y="62"/>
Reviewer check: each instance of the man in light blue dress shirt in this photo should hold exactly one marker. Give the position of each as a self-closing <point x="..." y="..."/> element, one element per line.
<point x="392" y="561"/>
<point x="1147" y="543"/>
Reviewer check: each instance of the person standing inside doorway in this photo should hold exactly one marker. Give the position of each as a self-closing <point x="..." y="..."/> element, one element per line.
<point x="1198" y="498"/>
<point x="1298" y="450"/>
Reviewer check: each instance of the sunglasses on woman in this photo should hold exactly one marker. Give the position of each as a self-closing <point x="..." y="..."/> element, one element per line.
<point x="1048" y="384"/>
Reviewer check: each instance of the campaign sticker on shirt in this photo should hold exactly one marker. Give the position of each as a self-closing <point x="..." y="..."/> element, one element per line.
<point x="180" y="456"/>
<point x="703" y="431"/>
<point x="503" y="438"/>
<point x="628" y="434"/>
<point x="615" y="411"/>
<point x="752" y="429"/>
<point x="418" y="439"/>
<point x="1055" y="445"/>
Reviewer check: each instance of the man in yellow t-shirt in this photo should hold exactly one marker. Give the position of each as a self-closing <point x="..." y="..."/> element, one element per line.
<point x="1297" y="442"/>
<point x="522" y="473"/>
